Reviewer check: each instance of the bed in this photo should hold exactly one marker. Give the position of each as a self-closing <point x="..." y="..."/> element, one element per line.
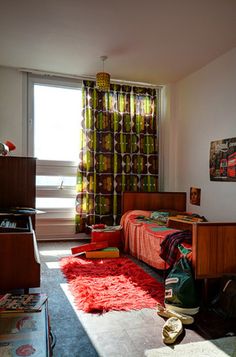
<point x="152" y="240"/>
<point x="213" y="244"/>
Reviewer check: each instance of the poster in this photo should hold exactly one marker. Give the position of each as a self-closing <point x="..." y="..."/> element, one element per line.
<point x="223" y="160"/>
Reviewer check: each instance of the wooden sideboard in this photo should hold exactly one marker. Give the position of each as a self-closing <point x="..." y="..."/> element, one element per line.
<point x="19" y="257"/>
<point x="19" y="261"/>
<point x="17" y="181"/>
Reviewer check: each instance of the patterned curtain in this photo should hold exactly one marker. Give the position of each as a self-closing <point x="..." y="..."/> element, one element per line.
<point x="119" y="150"/>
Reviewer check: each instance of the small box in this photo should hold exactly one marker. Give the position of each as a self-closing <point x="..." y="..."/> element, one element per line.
<point x="110" y="234"/>
<point x="88" y="247"/>
<point x="110" y="252"/>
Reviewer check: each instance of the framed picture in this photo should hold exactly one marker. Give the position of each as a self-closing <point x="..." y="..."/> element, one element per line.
<point x="222" y="163"/>
<point x="195" y="196"/>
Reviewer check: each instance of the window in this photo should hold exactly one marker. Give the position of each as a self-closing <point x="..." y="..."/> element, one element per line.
<point x="55" y="113"/>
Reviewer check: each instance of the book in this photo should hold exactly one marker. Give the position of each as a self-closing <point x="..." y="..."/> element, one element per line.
<point x="6" y="223"/>
<point x="189" y="218"/>
<point x="89" y="246"/>
<point x="110" y="252"/>
<point x="22" y="302"/>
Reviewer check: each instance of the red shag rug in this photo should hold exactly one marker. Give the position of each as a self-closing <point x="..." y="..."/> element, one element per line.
<point x="100" y="285"/>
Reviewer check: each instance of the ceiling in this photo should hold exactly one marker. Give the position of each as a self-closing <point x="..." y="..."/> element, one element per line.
<point x="152" y="41"/>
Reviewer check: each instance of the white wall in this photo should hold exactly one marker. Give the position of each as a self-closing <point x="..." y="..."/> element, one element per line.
<point x="204" y="111"/>
<point x="12" y="110"/>
<point x="197" y="110"/>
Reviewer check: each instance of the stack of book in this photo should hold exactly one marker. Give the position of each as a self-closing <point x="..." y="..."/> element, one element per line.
<point x="22" y="302"/>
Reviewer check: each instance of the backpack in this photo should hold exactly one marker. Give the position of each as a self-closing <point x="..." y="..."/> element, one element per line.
<point x="224" y="304"/>
<point x="180" y="288"/>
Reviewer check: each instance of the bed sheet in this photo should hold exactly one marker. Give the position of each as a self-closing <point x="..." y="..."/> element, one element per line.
<point x="142" y="238"/>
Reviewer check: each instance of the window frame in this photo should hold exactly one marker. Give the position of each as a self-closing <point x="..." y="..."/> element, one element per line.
<point x="51" y="216"/>
<point x="43" y="80"/>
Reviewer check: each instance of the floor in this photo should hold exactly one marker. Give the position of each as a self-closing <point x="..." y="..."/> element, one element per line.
<point x="113" y="334"/>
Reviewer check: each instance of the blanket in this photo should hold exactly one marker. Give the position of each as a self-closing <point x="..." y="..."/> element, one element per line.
<point x="169" y="246"/>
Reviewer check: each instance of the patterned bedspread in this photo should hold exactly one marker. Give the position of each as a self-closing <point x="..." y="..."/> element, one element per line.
<point x="156" y="245"/>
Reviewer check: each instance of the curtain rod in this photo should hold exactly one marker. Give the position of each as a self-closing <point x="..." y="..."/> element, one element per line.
<point x="92" y="78"/>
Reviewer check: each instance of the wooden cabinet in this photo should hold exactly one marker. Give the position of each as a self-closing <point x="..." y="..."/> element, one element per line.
<point x="19" y="258"/>
<point x="17" y="182"/>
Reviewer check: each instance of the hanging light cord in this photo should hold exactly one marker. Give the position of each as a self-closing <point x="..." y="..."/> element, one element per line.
<point x="103" y="58"/>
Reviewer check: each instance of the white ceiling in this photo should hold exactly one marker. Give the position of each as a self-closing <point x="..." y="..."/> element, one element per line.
<point x="150" y="41"/>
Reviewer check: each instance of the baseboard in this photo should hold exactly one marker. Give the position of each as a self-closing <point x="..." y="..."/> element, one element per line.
<point x="63" y="237"/>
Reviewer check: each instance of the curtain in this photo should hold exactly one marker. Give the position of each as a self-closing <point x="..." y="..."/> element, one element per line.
<point x="119" y="150"/>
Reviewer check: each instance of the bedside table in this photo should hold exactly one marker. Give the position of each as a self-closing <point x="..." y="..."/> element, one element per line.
<point x="179" y="223"/>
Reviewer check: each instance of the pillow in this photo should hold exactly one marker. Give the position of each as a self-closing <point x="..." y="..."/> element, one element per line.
<point x="160" y="216"/>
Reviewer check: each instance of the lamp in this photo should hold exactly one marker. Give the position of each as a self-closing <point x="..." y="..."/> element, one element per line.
<point x="103" y="78"/>
<point x="6" y="147"/>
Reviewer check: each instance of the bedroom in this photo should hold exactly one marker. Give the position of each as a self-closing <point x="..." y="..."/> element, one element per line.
<point x="197" y="108"/>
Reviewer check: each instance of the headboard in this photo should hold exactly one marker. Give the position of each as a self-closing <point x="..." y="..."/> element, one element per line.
<point x="152" y="201"/>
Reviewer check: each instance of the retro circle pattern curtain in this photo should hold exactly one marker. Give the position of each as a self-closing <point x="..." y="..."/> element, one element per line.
<point x="119" y="150"/>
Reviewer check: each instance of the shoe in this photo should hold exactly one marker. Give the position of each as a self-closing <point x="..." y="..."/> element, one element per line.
<point x="171" y="330"/>
<point x="185" y="319"/>
<point x="183" y="310"/>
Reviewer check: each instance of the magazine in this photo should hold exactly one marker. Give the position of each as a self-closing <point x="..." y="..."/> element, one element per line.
<point x="24" y="302"/>
<point x="24" y="334"/>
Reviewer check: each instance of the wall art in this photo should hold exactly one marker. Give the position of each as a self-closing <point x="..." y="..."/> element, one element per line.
<point x="223" y="160"/>
<point x="195" y="196"/>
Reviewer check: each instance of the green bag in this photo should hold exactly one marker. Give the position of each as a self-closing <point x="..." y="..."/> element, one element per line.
<point x="180" y="289"/>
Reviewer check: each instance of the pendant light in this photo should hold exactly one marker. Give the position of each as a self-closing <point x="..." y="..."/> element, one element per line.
<point x="103" y="78"/>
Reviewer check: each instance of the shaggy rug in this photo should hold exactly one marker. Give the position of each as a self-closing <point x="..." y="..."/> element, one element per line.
<point x="222" y="347"/>
<point x="100" y="285"/>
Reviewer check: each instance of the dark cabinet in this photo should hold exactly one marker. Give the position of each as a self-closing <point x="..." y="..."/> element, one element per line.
<point x="19" y="257"/>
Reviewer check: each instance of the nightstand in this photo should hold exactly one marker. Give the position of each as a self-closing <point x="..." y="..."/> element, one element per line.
<point x="179" y="223"/>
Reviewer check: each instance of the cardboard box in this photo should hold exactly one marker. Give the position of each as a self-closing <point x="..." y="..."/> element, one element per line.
<point x="109" y="234"/>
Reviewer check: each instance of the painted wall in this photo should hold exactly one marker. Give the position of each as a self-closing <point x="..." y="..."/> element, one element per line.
<point x="195" y="111"/>
<point x="12" y="109"/>
<point x="204" y="111"/>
